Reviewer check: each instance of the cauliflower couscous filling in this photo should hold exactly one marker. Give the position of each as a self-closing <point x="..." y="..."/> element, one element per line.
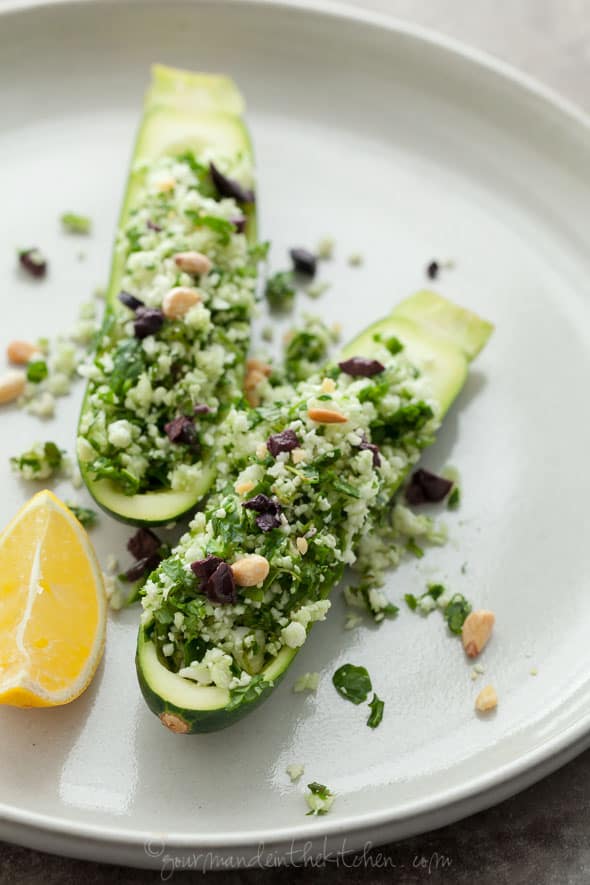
<point x="307" y="496"/>
<point x="158" y="363"/>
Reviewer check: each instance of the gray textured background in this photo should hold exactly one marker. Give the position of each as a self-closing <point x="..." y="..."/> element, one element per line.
<point x="543" y="835"/>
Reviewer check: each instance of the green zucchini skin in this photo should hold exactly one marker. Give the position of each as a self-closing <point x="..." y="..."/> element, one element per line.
<point x="182" y="111"/>
<point x="184" y="719"/>
<point x="442" y="347"/>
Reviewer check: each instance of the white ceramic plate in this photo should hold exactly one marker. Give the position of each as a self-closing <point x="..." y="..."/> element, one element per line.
<point x="406" y="148"/>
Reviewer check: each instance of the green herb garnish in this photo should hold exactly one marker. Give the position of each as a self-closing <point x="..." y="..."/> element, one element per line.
<point x="37" y="371"/>
<point x="435" y="590"/>
<point x="220" y="226"/>
<point x="393" y="345"/>
<point x="352" y="683"/>
<point x="454" y="498"/>
<point x="76" y="224"/>
<point x="376" y="715"/>
<point x="84" y="515"/>
<point x="42" y="461"/>
<point x="414" y="548"/>
<point x="456" y="612"/>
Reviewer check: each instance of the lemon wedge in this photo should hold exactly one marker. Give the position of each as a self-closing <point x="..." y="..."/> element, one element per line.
<point x="52" y="606"/>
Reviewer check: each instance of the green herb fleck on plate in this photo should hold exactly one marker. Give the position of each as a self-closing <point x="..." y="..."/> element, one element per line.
<point x="352" y="683"/>
<point x="37" y="371"/>
<point x="76" y="224"/>
<point x="84" y="515"/>
<point x="456" y="612"/>
<point x="376" y="715"/>
<point x="454" y="498"/>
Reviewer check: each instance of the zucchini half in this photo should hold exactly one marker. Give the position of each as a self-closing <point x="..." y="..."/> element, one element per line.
<point x="441" y="339"/>
<point x="183" y="111"/>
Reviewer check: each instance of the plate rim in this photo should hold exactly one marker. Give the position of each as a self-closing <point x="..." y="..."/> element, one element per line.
<point x="479" y="792"/>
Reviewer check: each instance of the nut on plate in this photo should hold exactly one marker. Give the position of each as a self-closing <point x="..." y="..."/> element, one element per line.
<point x="486" y="700"/>
<point x="20" y="352"/>
<point x="12" y="385"/>
<point x="476" y="631"/>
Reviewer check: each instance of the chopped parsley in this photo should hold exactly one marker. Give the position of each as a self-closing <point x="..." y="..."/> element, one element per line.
<point x="37" y="371"/>
<point x="414" y="548"/>
<point x="76" y="224"/>
<point x="435" y="591"/>
<point x="376" y="715"/>
<point x="85" y="515"/>
<point x="352" y="683"/>
<point x="456" y="612"/>
<point x="454" y="498"/>
<point x="393" y="344"/>
<point x="411" y="601"/>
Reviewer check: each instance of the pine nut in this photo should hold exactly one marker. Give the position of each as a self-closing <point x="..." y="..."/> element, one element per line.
<point x="254" y="365"/>
<point x="193" y="262"/>
<point x="487" y="699"/>
<point x="178" y="301"/>
<point x="326" y="416"/>
<point x="256" y="372"/>
<point x="12" y="385"/>
<point x="242" y="488"/>
<point x="298" y="455"/>
<point x="20" y="352"/>
<point x="302" y="545"/>
<point x="476" y="631"/>
<point x="328" y="386"/>
<point x="250" y="570"/>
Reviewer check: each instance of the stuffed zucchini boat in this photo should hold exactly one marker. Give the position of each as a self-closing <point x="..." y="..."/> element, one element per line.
<point x="170" y="355"/>
<point x="305" y="489"/>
